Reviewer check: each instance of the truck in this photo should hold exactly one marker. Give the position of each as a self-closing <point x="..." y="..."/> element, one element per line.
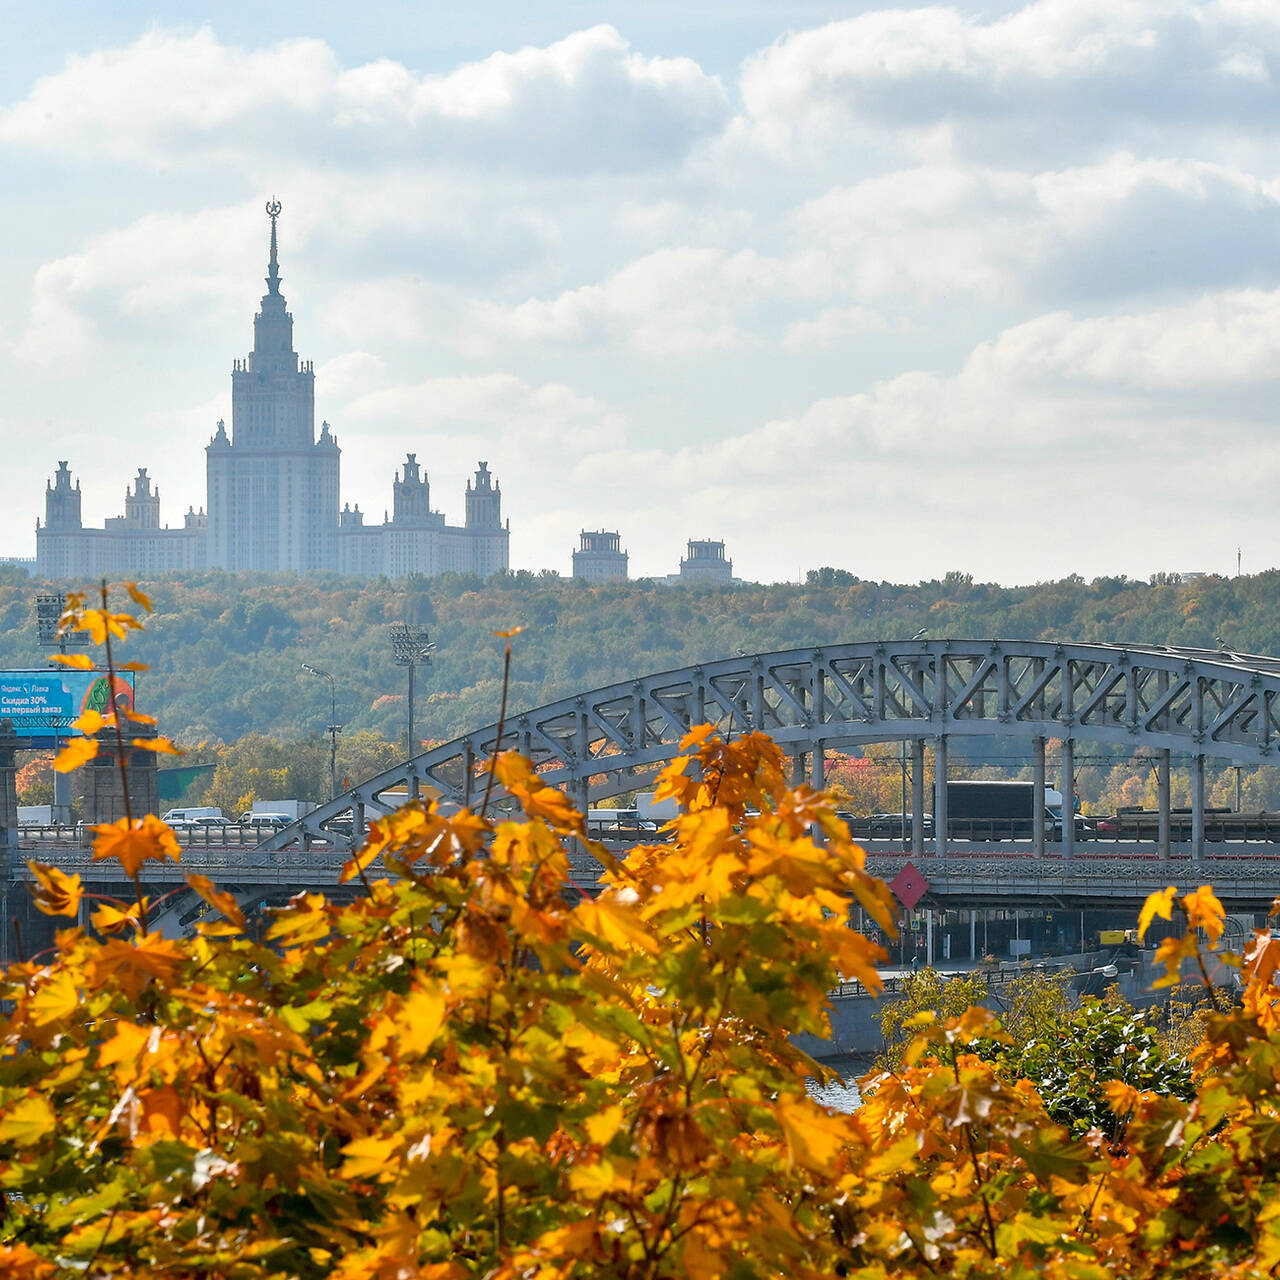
<point x="35" y="815"/>
<point x="291" y="809"/>
<point x="1003" y="811"/>
<point x="1143" y="825"/>
<point x="655" y="810"/>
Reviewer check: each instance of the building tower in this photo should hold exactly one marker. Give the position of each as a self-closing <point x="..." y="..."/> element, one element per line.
<point x="272" y="486"/>
<point x="600" y="558"/>
<point x="490" y="540"/>
<point x="411" y="496"/>
<point x="62" y="502"/>
<point x="142" y="504"/>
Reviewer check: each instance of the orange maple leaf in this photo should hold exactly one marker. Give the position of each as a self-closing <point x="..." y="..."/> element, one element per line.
<point x="134" y="842"/>
<point x="77" y="752"/>
<point x="55" y="892"/>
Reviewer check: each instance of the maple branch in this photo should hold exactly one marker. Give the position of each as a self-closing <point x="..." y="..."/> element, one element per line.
<point x="502" y="724"/>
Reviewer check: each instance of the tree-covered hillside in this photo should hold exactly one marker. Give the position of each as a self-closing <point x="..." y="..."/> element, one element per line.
<point x="226" y="651"/>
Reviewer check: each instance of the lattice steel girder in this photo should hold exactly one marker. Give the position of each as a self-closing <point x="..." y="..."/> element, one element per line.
<point x="1190" y="701"/>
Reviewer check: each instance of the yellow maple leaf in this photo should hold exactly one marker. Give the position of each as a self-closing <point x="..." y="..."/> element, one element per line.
<point x="614" y="925"/>
<point x="1157" y="904"/>
<point x="161" y="746"/>
<point x="77" y="752"/>
<point x="814" y="1136"/>
<point x="78" y="661"/>
<point x="56" y="998"/>
<point x="223" y="902"/>
<point x="133" y="843"/>
<point x="137" y="596"/>
<point x="1204" y="911"/>
<point x="27" y="1121"/>
<point x="55" y="893"/>
<point x="90" y="722"/>
<point x="126" y="1046"/>
<point x="604" y="1124"/>
<point x="370" y="1157"/>
<point x="111" y="918"/>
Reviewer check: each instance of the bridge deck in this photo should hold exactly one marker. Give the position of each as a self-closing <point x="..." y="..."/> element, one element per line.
<point x="1006" y="874"/>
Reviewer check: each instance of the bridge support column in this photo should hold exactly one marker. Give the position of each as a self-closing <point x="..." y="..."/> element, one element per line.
<point x="1197" y="808"/>
<point x="819" y="765"/>
<point x="8" y="799"/>
<point x="1162" y="802"/>
<point x="799" y="769"/>
<point x="1037" y="805"/>
<point x="940" y="795"/>
<point x="104" y="788"/>
<point x="1068" y="797"/>
<point x="973" y="934"/>
<point x="917" y="796"/>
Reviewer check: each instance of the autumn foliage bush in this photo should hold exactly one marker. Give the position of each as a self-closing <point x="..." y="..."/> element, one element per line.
<point x="478" y="1069"/>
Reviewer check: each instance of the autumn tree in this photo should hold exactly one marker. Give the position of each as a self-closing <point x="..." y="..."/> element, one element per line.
<point x="478" y="1067"/>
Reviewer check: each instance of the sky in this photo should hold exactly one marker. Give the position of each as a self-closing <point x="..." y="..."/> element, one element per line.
<point x="987" y="288"/>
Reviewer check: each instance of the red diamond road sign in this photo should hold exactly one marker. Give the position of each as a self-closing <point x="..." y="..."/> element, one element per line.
<point x="910" y="885"/>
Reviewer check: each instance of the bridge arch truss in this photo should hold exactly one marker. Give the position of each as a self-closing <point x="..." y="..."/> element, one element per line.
<point x="1193" y="703"/>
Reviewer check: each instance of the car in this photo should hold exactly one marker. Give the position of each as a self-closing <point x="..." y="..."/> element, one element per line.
<point x="889" y="826"/>
<point x="265" y="821"/>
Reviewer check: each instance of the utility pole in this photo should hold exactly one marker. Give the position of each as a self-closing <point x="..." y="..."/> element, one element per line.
<point x="334" y="728"/>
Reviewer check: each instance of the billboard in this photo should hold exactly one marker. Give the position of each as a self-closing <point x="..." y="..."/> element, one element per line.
<point x="39" y="702"/>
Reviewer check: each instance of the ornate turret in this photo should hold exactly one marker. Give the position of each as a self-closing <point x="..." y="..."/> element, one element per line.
<point x="411" y="495"/>
<point x="141" y="505"/>
<point x="62" y="502"/>
<point x="484" y="501"/>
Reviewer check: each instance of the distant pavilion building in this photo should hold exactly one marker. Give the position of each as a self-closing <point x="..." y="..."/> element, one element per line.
<point x="600" y="558"/>
<point x="706" y="563"/>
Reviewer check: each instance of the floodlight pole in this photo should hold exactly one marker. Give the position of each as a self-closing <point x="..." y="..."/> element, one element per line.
<point x="410" y="647"/>
<point x="334" y="727"/>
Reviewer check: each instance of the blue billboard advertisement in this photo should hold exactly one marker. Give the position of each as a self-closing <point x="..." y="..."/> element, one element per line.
<point x="40" y="702"/>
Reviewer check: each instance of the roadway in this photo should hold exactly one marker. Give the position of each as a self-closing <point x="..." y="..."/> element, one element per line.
<point x="972" y="874"/>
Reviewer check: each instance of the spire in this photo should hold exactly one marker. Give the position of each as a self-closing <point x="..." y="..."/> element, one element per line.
<point x="273" y="269"/>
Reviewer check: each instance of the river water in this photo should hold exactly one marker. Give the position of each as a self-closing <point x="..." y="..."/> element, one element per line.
<point x="836" y="1096"/>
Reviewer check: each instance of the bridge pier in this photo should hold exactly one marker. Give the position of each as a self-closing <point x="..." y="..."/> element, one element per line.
<point x="1068" y="797"/>
<point x="1038" y="784"/>
<point x="940" y="794"/>
<point x="917" y="796"/>
<point x="1197" y="809"/>
<point x="1162" y="802"/>
<point x="104" y="788"/>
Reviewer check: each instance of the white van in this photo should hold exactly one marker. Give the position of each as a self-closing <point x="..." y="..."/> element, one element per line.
<point x="205" y="814"/>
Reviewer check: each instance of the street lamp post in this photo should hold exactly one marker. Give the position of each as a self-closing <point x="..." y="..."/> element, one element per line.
<point x="411" y="647"/>
<point x="334" y="727"/>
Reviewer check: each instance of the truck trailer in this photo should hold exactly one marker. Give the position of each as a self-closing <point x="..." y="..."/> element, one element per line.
<point x="1002" y="811"/>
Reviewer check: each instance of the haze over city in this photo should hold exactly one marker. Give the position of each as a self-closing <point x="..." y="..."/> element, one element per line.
<point x="986" y="288"/>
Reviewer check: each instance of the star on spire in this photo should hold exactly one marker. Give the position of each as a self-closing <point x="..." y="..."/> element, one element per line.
<point x="273" y="269"/>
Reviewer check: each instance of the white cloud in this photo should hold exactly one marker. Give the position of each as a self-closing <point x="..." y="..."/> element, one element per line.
<point x="1053" y="73"/>
<point x="159" y="270"/>
<point x="833" y="325"/>
<point x="669" y="303"/>
<point x="1224" y="340"/>
<point x="585" y="102"/>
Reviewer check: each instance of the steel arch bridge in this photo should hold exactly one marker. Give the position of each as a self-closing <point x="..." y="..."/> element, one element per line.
<point x="1194" y="703"/>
